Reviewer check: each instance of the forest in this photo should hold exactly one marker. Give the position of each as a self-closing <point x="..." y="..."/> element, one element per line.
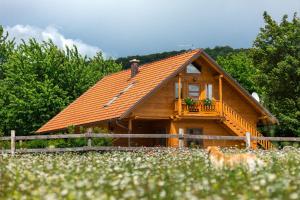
<point x="38" y="80"/>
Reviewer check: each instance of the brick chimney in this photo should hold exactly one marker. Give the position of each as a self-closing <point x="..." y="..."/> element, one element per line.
<point x="134" y="67"/>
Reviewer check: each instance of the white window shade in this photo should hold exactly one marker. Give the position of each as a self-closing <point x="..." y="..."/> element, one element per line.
<point x="209" y="92"/>
<point x="194" y="90"/>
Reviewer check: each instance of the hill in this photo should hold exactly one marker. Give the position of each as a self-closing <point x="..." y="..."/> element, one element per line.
<point x="213" y="52"/>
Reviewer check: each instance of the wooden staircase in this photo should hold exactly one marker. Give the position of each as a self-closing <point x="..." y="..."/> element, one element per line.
<point x="240" y="126"/>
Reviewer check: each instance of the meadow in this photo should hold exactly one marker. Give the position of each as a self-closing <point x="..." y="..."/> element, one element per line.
<point x="168" y="174"/>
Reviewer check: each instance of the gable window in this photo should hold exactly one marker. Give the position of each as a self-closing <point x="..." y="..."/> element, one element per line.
<point x="191" y="69"/>
<point x="209" y="92"/>
<point x="194" y="91"/>
<point x="176" y="90"/>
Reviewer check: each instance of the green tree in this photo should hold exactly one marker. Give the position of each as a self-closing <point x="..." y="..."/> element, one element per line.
<point x="222" y="51"/>
<point x="6" y="47"/>
<point x="39" y="80"/>
<point x="276" y="53"/>
<point x="213" y="52"/>
<point x="240" y="67"/>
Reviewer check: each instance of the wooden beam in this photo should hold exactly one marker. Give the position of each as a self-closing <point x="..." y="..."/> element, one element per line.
<point x="218" y="76"/>
<point x="83" y="149"/>
<point x="152" y="117"/>
<point x="263" y="117"/>
<point x="179" y="106"/>
<point x="172" y="142"/>
<point x="129" y="130"/>
<point x="221" y="94"/>
<point x="13" y="142"/>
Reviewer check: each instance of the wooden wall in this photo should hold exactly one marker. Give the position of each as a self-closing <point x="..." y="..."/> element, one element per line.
<point x="161" y="104"/>
<point x="144" y="127"/>
<point x="239" y="104"/>
<point x="209" y="127"/>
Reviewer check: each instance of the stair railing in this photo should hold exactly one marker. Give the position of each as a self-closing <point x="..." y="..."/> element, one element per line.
<point x="244" y="124"/>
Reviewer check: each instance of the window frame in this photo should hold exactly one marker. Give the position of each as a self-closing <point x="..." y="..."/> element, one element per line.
<point x="176" y="90"/>
<point x="186" y="71"/>
<point x="207" y="95"/>
<point x="198" y="92"/>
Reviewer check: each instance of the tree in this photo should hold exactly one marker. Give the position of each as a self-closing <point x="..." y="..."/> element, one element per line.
<point x="240" y="67"/>
<point x="222" y="51"/>
<point x="276" y="53"/>
<point x="6" y="47"/>
<point x="39" y="80"/>
<point x="213" y="52"/>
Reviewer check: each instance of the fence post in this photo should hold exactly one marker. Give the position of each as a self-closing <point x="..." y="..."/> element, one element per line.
<point x="12" y="142"/>
<point x="248" y="140"/>
<point x="21" y="144"/>
<point x="89" y="139"/>
<point x="180" y="138"/>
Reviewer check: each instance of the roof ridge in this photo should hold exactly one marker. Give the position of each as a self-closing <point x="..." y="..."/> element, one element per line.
<point x="88" y="108"/>
<point x="173" y="56"/>
<point x="148" y="63"/>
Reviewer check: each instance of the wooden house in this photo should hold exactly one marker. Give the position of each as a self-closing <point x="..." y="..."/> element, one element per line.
<point x="189" y="91"/>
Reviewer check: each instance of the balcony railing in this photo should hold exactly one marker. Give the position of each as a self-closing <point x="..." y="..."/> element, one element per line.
<point x="199" y="107"/>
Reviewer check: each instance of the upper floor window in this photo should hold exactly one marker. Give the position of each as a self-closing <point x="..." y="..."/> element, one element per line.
<point x="194" y="91"/>
<point x="176" y="90"/>
<point x="209" y="92"/>
<point x="191" y="69"/>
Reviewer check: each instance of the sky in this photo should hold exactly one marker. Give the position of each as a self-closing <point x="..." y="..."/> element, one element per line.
<point x="136" y="27"/>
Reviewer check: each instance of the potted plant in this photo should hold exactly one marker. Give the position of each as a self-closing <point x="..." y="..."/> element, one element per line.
<point x="207" y="102"/>
<point x="189" y="101"/>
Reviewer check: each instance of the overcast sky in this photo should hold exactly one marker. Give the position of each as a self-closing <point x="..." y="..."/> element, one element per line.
<point x="130" y="27"/>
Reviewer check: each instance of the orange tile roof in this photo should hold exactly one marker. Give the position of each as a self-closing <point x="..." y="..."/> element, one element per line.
<point x="89" y="107"/>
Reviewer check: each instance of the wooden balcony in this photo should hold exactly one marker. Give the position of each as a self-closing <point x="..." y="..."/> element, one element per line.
<point x="199" y="108"/>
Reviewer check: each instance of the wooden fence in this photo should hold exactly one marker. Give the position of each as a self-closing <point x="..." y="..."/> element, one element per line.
<point x="89" y="135"/>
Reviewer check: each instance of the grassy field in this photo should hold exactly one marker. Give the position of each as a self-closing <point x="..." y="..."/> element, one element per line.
<point x="171" y="174"/>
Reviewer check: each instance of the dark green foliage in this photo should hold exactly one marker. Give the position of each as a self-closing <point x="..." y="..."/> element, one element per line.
<point x="276" y="53"/>
<point x="146" y="58"/>
<point x="222" y="51"/>
<point x="240" y="67"/>
<point x="189" y="101"/>
<point x="213" y="52"/>
<point x="207" y="102"/>
<point x="57" y="143"/>
<point x="6" y="48"/>
<point x="39" y="80"/>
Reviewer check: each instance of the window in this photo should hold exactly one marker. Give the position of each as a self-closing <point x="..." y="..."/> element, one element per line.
<point x="194" y="91"/>
<point x="208" y="89"/>
<point x="194" y="142"/>
<point x="191" y="69"/>
<point x="176" y="90"/>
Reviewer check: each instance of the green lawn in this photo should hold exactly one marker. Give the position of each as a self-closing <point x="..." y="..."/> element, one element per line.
<point x="169" y="174"/>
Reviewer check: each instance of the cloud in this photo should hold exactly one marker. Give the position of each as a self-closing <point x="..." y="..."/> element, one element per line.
<point x="26" y="32"/>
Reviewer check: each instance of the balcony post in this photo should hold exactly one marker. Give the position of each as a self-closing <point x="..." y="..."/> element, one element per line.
<point x="179" y="106"/>
<point x="221" y="94"/>
<point x="172" y="142"/>
<point x="129" y="131"/>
